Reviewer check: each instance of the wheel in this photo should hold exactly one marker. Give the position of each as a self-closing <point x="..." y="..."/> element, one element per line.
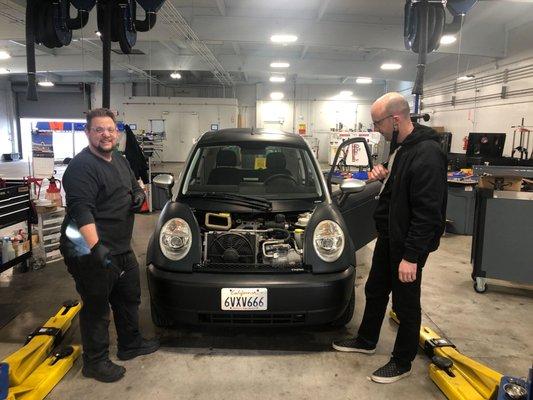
<point x="347" y="314"/>
<point x="480" y="286"/>
<point x="159" y="319"/>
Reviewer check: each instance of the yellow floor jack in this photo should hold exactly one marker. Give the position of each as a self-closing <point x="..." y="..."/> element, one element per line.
<point x="34" y="370"/>
<point x="457" y="376"/>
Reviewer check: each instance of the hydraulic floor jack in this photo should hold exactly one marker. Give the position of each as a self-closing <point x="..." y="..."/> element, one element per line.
<point x="457" y="376"/>
<point x="35" y="369"/>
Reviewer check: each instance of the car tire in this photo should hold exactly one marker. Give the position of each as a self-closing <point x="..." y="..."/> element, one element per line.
<point x="159" y="319"/>
<point x="347" y="314"/>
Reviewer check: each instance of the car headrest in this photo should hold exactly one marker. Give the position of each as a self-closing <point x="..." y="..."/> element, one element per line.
<point x="226" y="158"/>
<point x="276" y="161"/>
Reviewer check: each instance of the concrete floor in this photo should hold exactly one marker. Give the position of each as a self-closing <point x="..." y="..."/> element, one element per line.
<point x="494" y="328"/>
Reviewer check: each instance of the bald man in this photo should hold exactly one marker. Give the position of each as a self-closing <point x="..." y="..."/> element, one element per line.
<point x="410" y="218"/>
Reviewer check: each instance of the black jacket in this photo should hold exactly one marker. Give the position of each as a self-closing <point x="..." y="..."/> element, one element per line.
<point x="135" y="156"/>
<point x="416" y="196"/>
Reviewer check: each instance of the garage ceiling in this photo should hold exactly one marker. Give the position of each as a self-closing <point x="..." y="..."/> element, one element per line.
<point x="338" y="40"/>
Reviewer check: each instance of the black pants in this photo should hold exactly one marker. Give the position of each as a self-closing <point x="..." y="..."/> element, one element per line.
<point x="99" y="287"/>
<point x="382" y="279"/>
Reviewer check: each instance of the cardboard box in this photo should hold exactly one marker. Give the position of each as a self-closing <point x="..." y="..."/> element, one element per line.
<point x="507" y="183"/>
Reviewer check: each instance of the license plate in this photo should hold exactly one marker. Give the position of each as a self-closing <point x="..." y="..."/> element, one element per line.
<point x="244" y="299"/>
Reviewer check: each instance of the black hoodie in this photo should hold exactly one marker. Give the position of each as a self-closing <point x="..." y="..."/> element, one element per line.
<point x="412" y="207"/>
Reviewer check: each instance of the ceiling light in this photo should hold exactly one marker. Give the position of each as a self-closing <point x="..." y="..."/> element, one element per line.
<point x="4" y="71"/>
<point x="277" y="79"/>
<point x="284" y="39"/>
<point x="448" y="39"/>
<point x="363" y="81"/>
<point x="466" y="77"/>
<point x="46" y="83"/>
<point x="346" y="93"/>
<point x="391" y="66"/>
<point x="175" y="75"/>
<point x="276" y="95"/>
<point x="97" y="33"/>
<point x="4" y="55"/>
<point x="280" y="65"/>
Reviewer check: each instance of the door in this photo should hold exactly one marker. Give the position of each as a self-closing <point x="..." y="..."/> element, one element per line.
<point x="181" y="131"/>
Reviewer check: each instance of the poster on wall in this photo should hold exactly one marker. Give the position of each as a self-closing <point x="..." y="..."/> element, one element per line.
<point x="43" y="153"/>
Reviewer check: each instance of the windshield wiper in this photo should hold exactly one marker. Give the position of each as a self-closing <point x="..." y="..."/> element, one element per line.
<point x="237" y="198"/>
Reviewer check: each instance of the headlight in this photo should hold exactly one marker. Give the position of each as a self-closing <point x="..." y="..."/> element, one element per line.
<point x="175" y="239"/>
<point x="328" y="240"/>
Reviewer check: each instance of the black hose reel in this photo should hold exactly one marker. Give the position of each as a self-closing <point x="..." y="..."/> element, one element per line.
<point x="424" y="25"/>
<point x="48" y="22"/>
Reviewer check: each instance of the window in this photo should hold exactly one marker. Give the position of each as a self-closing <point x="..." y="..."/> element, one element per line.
<point x="270" y="171"/>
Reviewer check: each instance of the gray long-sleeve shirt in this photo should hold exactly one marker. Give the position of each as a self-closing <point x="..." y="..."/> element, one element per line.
<point x="100" y="192"/>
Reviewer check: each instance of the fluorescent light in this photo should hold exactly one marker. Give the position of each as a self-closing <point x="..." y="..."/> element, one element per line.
<point x="276" y="95"/>
<point x="280" y="64"/>
<point x="284" y="39"/>
<point x="4" y="71"/>
<point x="277" y="79"/>
<point x="465" y="77"/>
<point x="97" y="33"/>
<point x="175" y="75"/>
<point x="448" y="39"/>
<point x="346" y="93"/>
<point x="4" y="55"/>
<point x="46" y="83"/>
<point x="363" y="81"/>
<point x="391" y="66"/>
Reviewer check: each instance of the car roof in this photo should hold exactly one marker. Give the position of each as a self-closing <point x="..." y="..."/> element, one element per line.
<point x="234" y="135"/>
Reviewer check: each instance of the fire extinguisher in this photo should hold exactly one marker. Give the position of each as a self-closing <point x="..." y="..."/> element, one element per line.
<point x="465" y="143"/>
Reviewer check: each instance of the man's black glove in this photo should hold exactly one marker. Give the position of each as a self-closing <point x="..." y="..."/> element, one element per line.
<point x="102" y="256"/>
<point x="137" y="200"/>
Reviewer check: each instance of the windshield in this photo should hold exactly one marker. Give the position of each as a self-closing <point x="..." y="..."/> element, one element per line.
<point x="253" y="169"/>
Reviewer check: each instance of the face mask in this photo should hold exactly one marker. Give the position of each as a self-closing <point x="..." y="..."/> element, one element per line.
<point x="394" y="141"/>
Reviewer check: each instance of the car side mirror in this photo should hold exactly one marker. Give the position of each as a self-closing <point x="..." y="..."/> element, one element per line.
<point x="164" y="181"/>
<point x="349" y="186"/>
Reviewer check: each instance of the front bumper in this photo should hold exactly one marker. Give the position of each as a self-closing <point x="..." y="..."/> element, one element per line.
<point x="293" y="299"/>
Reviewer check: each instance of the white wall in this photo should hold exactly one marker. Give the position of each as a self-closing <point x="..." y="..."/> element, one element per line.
<point x="492" y="115"/>
<point x="319" y="107"/>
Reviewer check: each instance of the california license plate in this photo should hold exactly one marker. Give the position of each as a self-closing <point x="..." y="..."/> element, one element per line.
<point x="244" y="299"/>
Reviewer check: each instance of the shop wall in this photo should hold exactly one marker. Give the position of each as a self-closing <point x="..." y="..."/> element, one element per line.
<point x="8" y="137"/>
<point x="479" y="103"/>
<point x="319" y="107"/>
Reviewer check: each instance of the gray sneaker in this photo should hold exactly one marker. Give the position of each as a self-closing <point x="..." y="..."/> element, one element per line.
<point x="353" y="345"/>
<point x="390" y="372"/>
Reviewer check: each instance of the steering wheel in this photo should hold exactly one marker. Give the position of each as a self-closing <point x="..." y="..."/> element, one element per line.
<point x="280" y="176"/>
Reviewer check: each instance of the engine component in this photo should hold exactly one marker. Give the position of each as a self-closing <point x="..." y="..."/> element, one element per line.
<point x="230" y="248"/>
<point x="303" y="219"/>
<point x="218" y="221"/>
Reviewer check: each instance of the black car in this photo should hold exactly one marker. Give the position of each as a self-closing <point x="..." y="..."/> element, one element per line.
<point x="254" y="236"/>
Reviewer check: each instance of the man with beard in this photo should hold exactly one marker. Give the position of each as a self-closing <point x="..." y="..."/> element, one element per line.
<point x="410" y="218"/>
<point x="102" y="195"/>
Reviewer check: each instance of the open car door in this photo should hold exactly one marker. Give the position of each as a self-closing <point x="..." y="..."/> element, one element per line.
<point x="356" y="199"/>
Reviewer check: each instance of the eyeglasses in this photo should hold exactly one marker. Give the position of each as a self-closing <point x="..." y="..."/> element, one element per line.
<point x="376" y="123"/>
<point x="100" y="129"/>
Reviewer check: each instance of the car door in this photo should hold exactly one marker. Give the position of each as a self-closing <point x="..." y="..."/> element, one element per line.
<point x="357" y="208"/>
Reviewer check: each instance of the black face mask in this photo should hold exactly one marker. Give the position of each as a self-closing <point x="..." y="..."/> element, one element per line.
<point x="394" y="141"/>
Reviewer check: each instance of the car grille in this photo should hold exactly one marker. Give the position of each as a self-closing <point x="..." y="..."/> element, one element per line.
<point x="249" y="268"/>
<point x="244" y="318"/>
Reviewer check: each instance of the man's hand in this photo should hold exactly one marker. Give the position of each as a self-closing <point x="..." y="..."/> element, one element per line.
<point x="137" y="200"/>
<point x="102" y="256"/>
<point x="378" y="173"/>
<point x="407" y="271"/>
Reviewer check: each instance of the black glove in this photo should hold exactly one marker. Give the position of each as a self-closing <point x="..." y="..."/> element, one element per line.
<point x="102" y="256"/>
<point x="137" y="200"/>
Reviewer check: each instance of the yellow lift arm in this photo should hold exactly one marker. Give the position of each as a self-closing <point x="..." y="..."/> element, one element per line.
<point x="457" y="376"/>
<point x="40" y="344"/>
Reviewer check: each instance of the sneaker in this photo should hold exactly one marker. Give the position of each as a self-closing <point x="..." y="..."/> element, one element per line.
<point x="353" y="345"/>
<point x="390" y="372"/>
<point x="103" y="371"/>
<point x="146" y="347"/>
